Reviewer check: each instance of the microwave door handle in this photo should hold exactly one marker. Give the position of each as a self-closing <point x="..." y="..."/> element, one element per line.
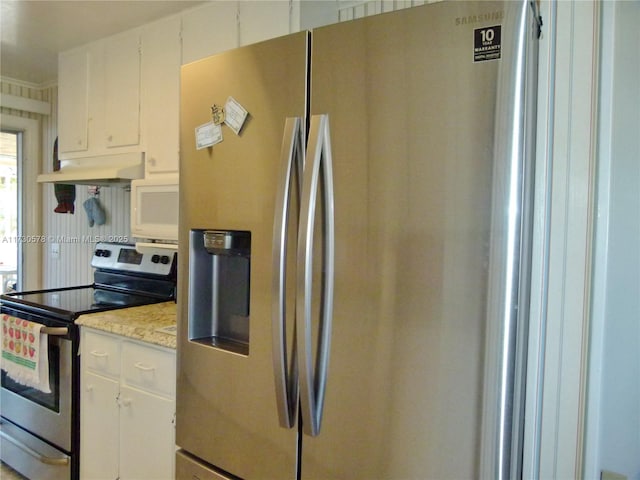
<point x="313" y="383"/>
<point x="286" y="382"/>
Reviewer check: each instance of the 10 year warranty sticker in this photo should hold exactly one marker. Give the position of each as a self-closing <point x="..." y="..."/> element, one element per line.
<point x="487" y="43"/>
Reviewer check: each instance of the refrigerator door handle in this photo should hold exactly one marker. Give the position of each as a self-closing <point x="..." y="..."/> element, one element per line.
<point x="286" y="380"/>
<point x="313" y="381"/>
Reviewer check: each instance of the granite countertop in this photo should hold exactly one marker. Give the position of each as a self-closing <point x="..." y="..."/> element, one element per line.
<point x="140" y="323"/>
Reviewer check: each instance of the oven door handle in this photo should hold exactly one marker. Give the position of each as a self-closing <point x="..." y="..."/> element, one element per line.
<point x="30" y="451"/>
<point x="55" y="331"/>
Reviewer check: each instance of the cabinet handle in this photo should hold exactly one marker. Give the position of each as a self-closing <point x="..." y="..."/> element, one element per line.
<point x="143" y="367"/>
<point x="99" y="354"/>
<point x="110" y="138"/>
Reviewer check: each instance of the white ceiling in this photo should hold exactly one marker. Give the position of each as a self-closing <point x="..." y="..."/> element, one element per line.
<point x="34" y="31"/>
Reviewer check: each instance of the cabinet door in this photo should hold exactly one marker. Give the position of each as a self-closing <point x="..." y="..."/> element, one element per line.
<point x="73" y="91"/>
<point x="263" y="20"/>
<point x="122" y="90"/>
<point x="161" y="94"/>
<point x="147" y="436"/>
<point x="99" y="413"/>
<point x="208" y="30"/>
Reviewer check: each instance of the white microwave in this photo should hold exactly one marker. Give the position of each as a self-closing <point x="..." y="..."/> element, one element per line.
<point x="154" y="208"/>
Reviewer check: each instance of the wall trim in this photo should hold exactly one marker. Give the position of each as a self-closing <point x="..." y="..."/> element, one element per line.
<point x="560" y="310"/>
<point x="25" y="104"/>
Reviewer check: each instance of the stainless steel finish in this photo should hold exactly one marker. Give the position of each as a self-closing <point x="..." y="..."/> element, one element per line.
<point x="31" y="452"/>
<point x="189" y="468"/>
<point x="285" y="377"/>
<point x="510" y="254"/>
<point x="313" y="380"/>
<point x="54" y="426"/>
<point x="55" y="331"/>
<point x="226" y="406"/>
<point x="412" y="122"/>
<point x="32" y="457"/>
<point x="418" y="237"/>
<point x="125" y="258"/>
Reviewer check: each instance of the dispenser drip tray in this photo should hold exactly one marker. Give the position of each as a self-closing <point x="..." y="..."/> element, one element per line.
<point x="219" y="289"/>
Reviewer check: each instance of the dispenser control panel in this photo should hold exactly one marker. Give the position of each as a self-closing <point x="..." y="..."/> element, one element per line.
<point x="220" y="242"/>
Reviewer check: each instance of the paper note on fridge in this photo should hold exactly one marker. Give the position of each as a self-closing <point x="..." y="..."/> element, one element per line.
<point x="235" y="115"/>
<point x="208" y="135"/>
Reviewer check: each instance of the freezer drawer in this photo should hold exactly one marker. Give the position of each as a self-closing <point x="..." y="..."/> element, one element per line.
<point x="189" y="467"/>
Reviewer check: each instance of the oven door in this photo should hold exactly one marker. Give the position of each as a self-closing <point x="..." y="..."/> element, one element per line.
<point x="32" y="413"/>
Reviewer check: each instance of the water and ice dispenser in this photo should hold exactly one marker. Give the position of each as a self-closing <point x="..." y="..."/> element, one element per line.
<point x="219" y="288"/>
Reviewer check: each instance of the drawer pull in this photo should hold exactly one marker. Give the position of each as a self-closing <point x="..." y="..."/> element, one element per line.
<point x="99" y="354"/>
<point x="143" y="367"/>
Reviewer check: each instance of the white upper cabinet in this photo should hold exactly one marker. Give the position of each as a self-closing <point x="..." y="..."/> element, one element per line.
<point x="161" y="95"/>
<point x="122" y="90"/>
<point x="73" y="97"/>
<point x="99" y="98"/>
<point x="210" y="29"/>
<point x="263" y="20"/>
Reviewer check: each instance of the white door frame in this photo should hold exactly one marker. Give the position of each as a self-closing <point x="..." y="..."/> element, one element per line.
<point x="563" y="236"/>
<point x="31" y="241"/>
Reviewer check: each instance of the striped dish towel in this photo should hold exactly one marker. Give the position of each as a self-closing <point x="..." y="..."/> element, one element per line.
<point x="25" y="355"/>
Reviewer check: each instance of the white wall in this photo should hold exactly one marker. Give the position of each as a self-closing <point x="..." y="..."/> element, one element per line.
<point x="613" y="421"/>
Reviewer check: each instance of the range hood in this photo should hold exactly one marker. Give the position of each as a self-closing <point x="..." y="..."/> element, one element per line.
<point x="103" y="170"/>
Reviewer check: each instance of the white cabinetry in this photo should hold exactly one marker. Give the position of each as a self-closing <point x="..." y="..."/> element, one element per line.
<point x="127" y="408"/>
<point x="161" y="95"/>
<point x="99" y="436"/>
<point x="73" y="94"/>
<point x="122" y="90"/>
<point x="210" y="29"/>
<point x="263" y="20"/>
<point x="99" y="98"/>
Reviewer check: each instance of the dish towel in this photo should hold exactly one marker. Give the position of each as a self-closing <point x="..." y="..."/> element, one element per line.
<point x="25" y="355"/>
<point x="95" y="212"/>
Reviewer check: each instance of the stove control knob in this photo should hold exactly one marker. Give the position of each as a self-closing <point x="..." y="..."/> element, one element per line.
<point x="155" y="259"/>
<point x="164" y="260"/>
<point x="106" y="253"/>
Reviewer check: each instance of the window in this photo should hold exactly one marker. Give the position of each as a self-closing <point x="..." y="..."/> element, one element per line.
<point x="10" y="149"/>
<point x="28" y="201"/>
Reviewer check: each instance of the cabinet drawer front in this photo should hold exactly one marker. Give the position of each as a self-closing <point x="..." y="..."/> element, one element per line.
<point x="101" y="353"/>
<point x="149" y="368"/>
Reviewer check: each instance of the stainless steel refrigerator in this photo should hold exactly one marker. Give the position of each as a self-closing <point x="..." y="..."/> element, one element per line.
<point x="354" y="225"/>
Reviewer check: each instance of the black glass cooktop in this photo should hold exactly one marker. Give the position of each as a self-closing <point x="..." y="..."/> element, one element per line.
<point x="72" y="302"/>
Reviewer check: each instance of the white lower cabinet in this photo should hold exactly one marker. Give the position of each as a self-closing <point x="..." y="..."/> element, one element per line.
<point x="127" y="409"/>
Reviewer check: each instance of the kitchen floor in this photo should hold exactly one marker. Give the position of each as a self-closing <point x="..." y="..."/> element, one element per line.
<point x="8" y="473"/>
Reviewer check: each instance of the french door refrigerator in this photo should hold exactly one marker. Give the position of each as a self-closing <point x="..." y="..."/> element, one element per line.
<point x="354" y="224"/>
